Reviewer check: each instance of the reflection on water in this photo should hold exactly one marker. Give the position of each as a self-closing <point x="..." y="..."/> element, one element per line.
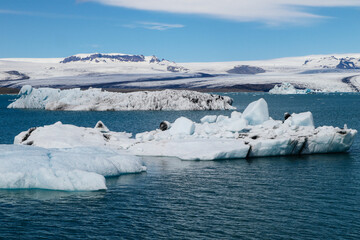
<point x="8" y="196"/>
<point x="124" y="180"/>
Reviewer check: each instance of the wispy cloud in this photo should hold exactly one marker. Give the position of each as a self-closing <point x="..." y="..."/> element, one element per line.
<point x="154" y="25"/>
<point x="268" y="11"/>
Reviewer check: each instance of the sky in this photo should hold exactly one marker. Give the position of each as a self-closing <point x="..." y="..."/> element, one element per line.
<point x="179" y="30"/>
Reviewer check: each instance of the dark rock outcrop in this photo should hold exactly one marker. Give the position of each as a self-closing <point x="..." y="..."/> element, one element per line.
<point x="246" y="69"/>
<point x="346" y="64"/>
<point x="176" y="69"/>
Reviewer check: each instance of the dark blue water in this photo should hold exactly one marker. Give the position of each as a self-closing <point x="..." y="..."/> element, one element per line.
<point x="309" y="197"/>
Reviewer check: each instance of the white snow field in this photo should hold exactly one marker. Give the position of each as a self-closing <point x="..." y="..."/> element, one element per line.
<point x="67" y="169"/>
<point x="249" y="134"/>
<point x="98" y="100"/>
<point x="329" y="73"/>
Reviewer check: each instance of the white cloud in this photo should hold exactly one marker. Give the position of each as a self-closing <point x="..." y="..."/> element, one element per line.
<point x="269" y="11"/>
<point x="154" y="25"/>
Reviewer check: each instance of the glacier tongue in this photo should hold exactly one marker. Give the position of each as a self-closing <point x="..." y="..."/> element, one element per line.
<point x="251" y="134"/>
<point x="98" y="100"/>
<point x="74" y="169"/>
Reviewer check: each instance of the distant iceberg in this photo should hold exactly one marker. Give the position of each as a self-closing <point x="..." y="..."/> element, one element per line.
<point x="98" y="100"/>
<point x="249" y="134"/>
<point x="73" y="169"/>
<point x="288" y="88"/>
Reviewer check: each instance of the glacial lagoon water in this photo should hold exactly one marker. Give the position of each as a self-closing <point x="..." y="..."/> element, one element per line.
<point x="305" y="197"/>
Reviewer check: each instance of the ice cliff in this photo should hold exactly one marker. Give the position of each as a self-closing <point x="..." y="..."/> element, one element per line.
<point x="98" y="100"/>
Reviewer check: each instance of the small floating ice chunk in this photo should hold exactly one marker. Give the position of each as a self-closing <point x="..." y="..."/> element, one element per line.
<point x="208" y="119"/>
<point x="221" y="118"/>
<point x="235" y="115"/>
<point x="256" y="112"/>
<point x="304" y="119"/>
<point x="236" y="125"/>
<point x="182" y="126"/>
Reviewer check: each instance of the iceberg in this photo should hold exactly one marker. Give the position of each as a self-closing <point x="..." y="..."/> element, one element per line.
<point x="73" y="169"/>
<point x="288" y="88"/>
<point x="302" y="119"/>
<point x="95" y="99"/>
<point x="182" y="126"/>
<point x="209" y="119"/>
<point x="242" y="135"/>
<point x="257" y="112"/>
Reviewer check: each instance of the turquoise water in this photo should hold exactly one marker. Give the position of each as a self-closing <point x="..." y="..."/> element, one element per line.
<point x="308" y="197"/>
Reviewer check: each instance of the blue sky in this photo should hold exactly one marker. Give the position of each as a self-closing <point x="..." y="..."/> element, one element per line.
<point x="181" y="30"/>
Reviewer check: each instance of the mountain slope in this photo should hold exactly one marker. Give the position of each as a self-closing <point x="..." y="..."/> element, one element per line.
<point x="124" y="71"/>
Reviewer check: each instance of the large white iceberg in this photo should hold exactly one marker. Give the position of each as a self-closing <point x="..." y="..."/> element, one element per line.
<point x="72" y="169"/>
<point x="251" y="134"/>
<point x="97" y="100"/>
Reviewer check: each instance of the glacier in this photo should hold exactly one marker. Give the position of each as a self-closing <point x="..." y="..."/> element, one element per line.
<point x="327" y="73"/>
<point x="66" y="169"/>
<point x="252" y="133"/>
<point x="95" y="99"/>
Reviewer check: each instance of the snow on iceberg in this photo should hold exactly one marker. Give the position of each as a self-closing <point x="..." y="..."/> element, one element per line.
<point x="60" y="135"/>
<point x="98" y="100"/>
<point x="251" y="134"/>
<point x="288" y="88"/>
<point x="74" y="169"/>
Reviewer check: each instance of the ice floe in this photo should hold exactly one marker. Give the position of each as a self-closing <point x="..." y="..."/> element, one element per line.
<point x="68" y="169"/>
<point x="249" y="134"/>
<point x="95" y="99"/>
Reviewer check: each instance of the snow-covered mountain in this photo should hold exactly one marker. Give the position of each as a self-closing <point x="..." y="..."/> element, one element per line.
<point x="335" y="72"/>
<point x="331" y="62"/>
<point x="109" y="57"/>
